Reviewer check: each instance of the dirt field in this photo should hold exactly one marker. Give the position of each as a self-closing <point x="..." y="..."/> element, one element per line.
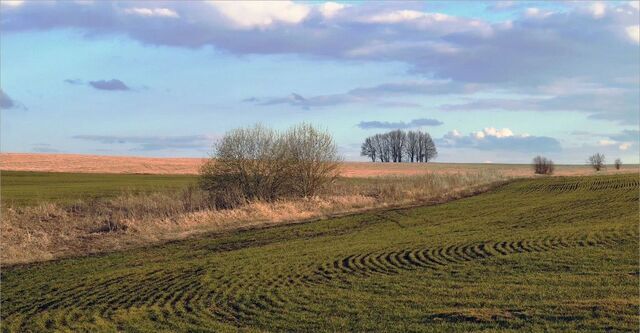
<point x="147" y="165"/>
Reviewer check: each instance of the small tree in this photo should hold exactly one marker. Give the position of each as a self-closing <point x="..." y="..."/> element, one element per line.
<point x="542" y="165"/>
<point x="412" y="145"/>
<point x="429" y="151"/>
<point x="617" y="164"/>
<point x="597" y="161"/>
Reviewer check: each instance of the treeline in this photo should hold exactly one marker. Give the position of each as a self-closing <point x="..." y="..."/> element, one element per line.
<point x="399" y="146"/>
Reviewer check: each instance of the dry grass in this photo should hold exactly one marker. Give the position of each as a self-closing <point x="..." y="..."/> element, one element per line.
<point x="121" y="164"/>
<point x="50" y="231"/>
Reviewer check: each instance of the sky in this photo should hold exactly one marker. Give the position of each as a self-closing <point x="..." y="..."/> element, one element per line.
<point x="495" y="82"/>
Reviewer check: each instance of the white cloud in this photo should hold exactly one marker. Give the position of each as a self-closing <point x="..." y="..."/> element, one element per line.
<point x="624" y="146"/>
<point x="635" y="4"/>
<point x="605" y="142"/>
<point x="537" y="12"/>
<point x="396" y="16"/>
<point x="479" y="135"/>
<point x="503" y="133"/>
<point x="499" y="139"/>
<point x="330" y="9"/>
<point x="633" y="32"/>
<point x="455" y="134"/>
<point x="488" y="132"/>
<point x="609" y="143"/>
<point x="262" y="14"/>
<point x="159" y="12"/>
<point x="598" y="9"/>
<point x="399" y="16"/>
<point x="12" y="3"/>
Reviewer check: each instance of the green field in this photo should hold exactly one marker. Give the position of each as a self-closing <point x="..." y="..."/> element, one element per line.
<point x="547" y="254"/>
<point x="27" y="188"/>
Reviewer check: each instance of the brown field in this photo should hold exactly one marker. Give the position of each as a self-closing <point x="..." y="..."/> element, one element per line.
<point x="149" y="165"/>
<point x="98" y="164"/>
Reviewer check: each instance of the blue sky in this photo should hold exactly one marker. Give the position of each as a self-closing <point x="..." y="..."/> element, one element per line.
<point x="491" y="81"/>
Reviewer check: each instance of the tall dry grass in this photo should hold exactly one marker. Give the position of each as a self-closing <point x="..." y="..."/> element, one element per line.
<point x="49" y="231"/>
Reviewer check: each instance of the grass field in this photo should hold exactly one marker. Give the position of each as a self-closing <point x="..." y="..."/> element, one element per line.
<point x="50" y="216"/>
<point x="28" y="188"/>
<point x="548" y="254"/>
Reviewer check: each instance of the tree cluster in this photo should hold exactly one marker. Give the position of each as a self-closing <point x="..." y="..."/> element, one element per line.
<point x="259" y="163"/>
<point x="399" y="146"/>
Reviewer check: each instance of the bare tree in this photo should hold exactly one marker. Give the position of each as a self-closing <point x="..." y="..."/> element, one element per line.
<point x="397" y="140"/>
<point x="429" y="148"/>
<point x="542" y="165"/>
<point x="385" y="141"/>
<point x="596" y="161"/>
<point x="412" y="145"/>
<point x="379" y="143"/>
<point x="617" y="164"/>
<point x="368" y="148"/>
<point x="420" y="147"/>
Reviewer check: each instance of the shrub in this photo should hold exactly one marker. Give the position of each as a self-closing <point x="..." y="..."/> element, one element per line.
<point x="258" y="163"/>
<point x="543" y="166"/>
<point x="247" y="164"/>
<point x="312" y="158"/>
<point x="596" y="161"/>
<point x="617" y="164"/>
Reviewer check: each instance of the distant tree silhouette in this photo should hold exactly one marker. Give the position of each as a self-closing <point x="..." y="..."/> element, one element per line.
<point x="542" y="165"/>
<point x="617" y="164"/>
<point x="398" y="146"/>
<point x="597" y="161"/>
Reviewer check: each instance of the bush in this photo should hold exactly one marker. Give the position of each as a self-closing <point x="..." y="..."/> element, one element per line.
<point x="543" y="166"/>
<point x="312" y="158"/>
<point x="617" y="164"/>
<point x="258" y="163"/>
<point x="596" y="161"/>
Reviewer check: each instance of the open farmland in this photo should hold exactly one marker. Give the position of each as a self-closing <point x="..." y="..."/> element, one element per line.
<point x="19" y="188"/>
<point x="54" y="215"/>
<point x="74" y="163"/>
<point x="547" y="254"/>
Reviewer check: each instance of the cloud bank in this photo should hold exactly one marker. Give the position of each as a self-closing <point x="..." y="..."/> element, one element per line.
<point x="110" y="85"/>
<point x="536" y="46"/>
<point x="151" y="143"/>
<point x="500" y="140"/>
<point x="522" y="55"/>
<point x="399" y="125"/>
